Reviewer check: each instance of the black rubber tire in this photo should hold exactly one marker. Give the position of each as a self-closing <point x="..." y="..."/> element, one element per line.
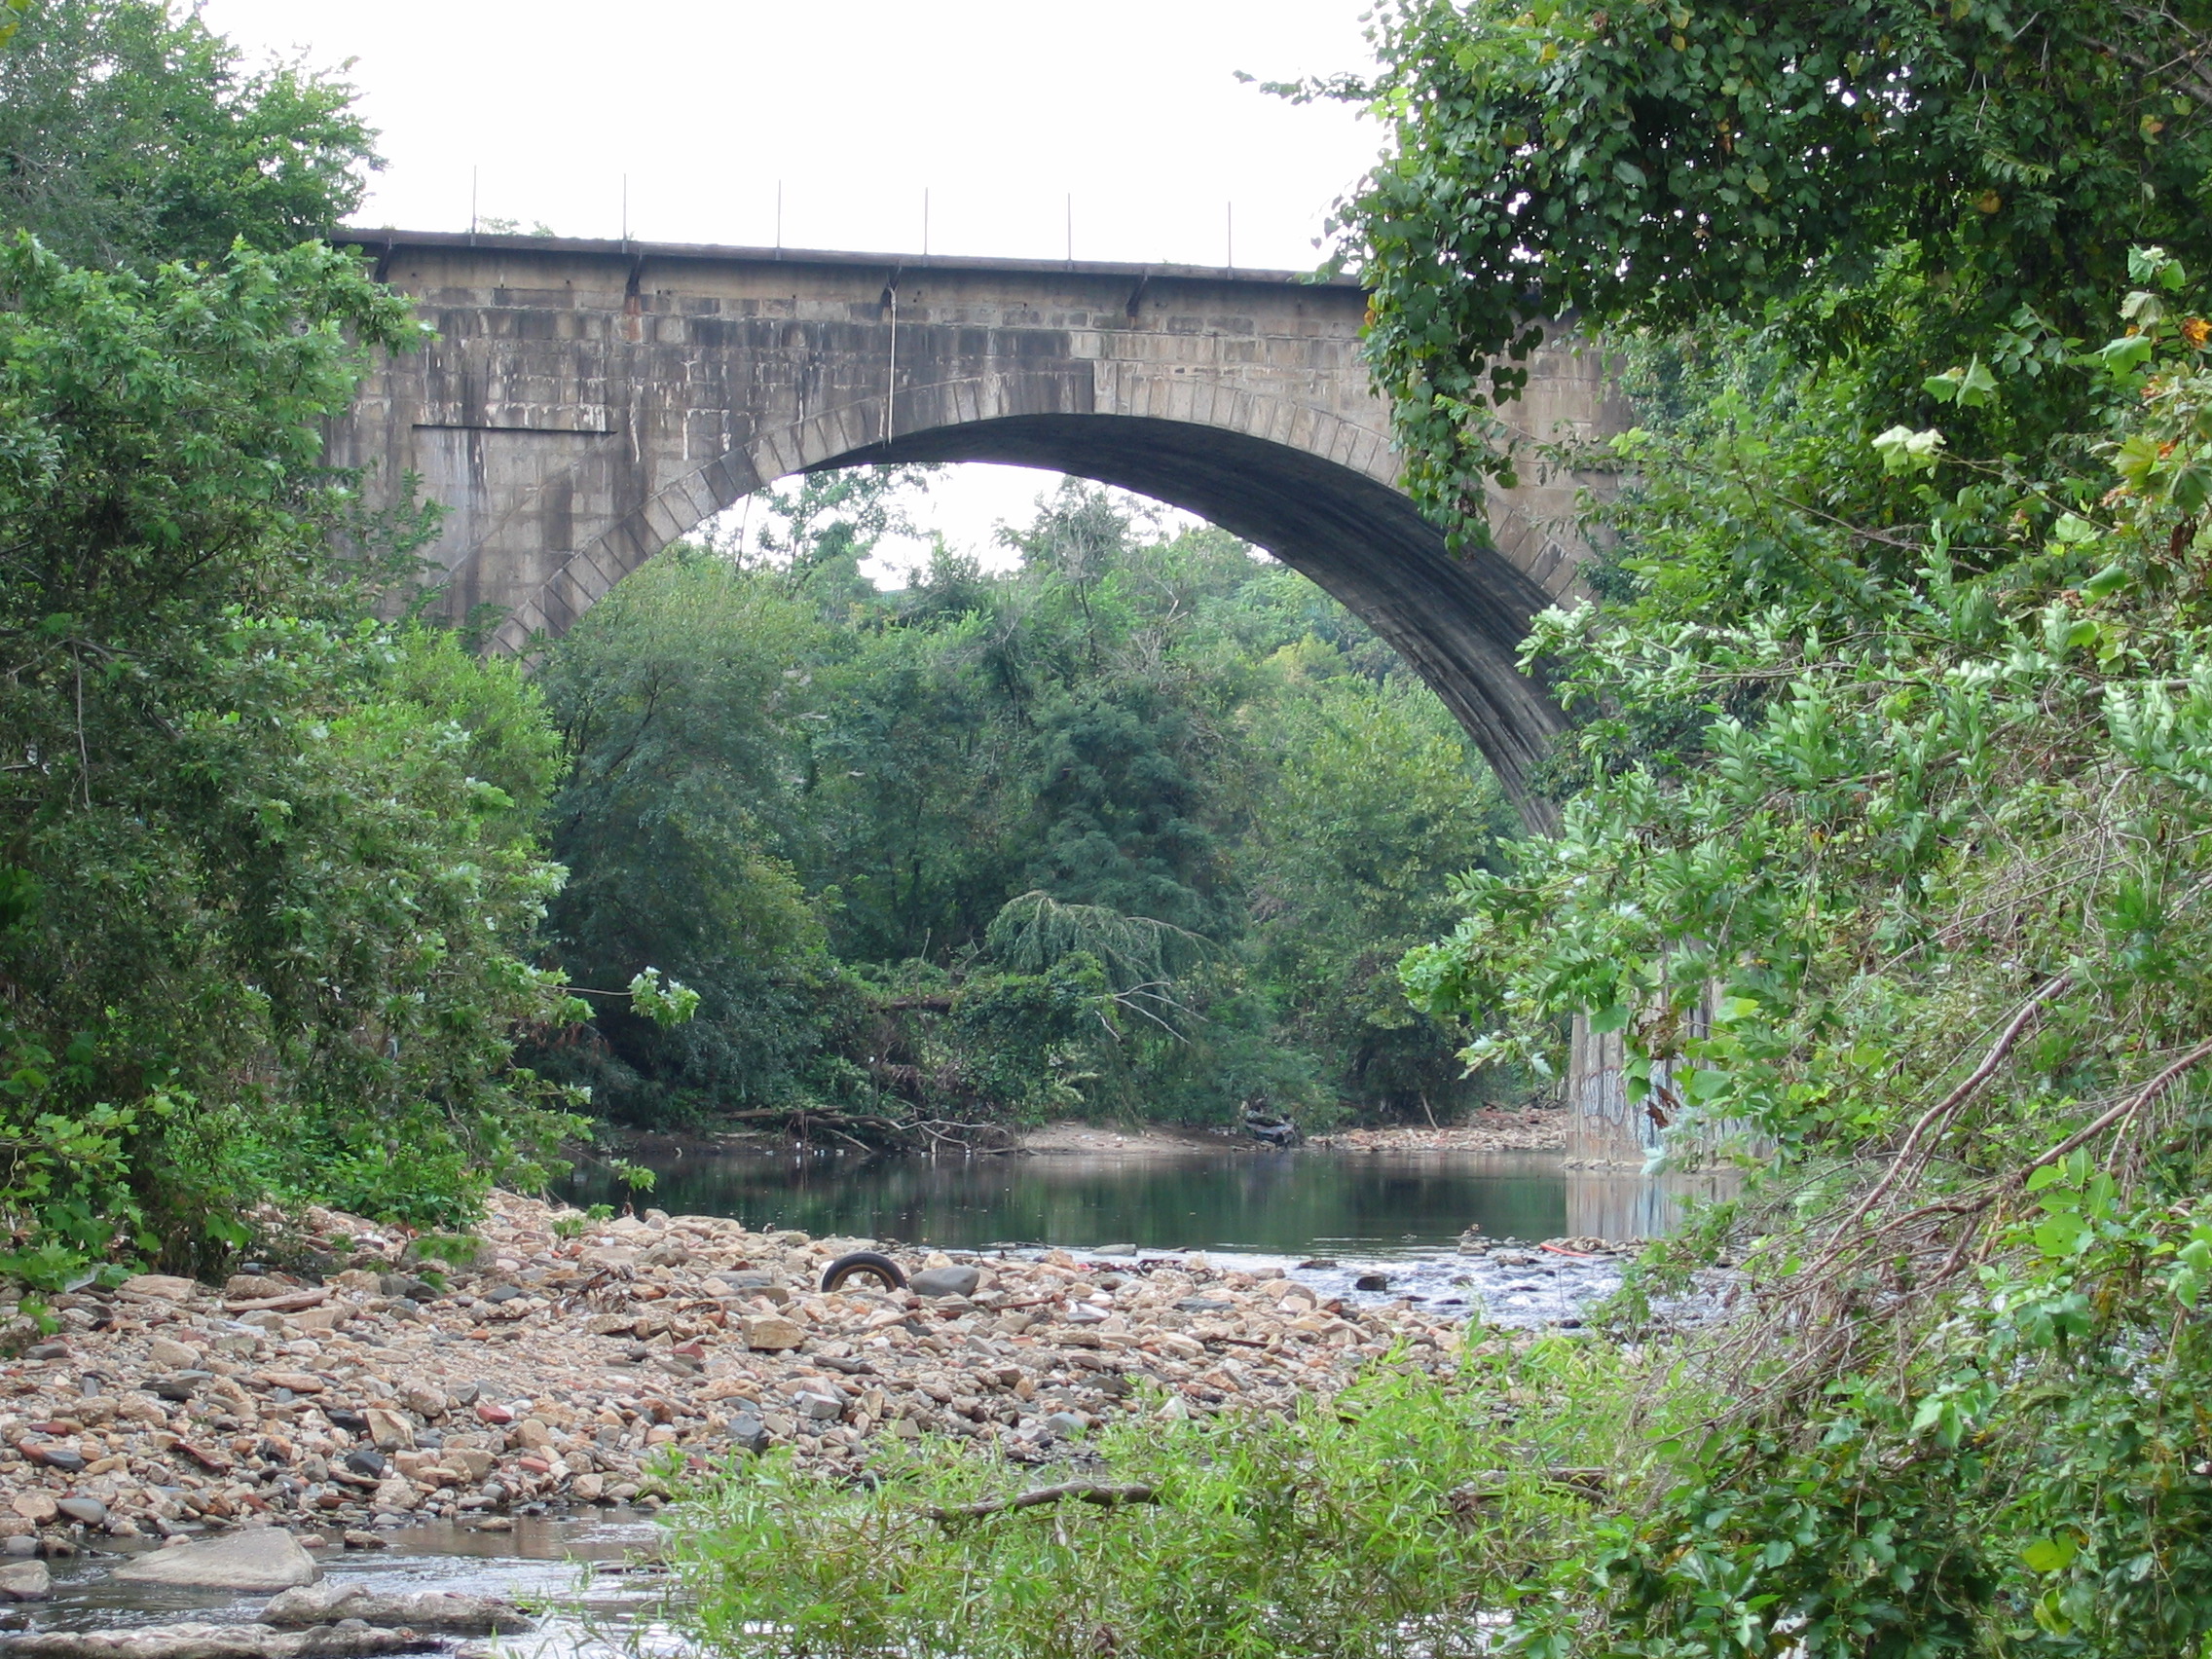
<point x="863" y="1262"/>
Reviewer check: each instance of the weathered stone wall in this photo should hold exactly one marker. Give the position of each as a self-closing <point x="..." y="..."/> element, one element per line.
<point x="586" y="403"/>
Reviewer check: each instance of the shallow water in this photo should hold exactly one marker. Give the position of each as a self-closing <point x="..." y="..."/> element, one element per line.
<point x="557" y="1563"/>
<point x="1369" y="1205"/>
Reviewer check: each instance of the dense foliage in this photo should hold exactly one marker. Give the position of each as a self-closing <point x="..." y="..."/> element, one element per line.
<point x="269" y="868"/>
<point x="131" y="134"/>
<point x="1884" y="816"/>
<point x="1387" y="1521"/>
<point x="1140" y="825"/>
<point x="1902" y="183"/>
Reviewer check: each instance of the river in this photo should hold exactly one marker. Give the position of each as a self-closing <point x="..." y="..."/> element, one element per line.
<point x="1370" y="1205"/>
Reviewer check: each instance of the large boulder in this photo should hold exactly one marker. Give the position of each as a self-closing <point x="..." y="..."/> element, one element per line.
<point x="445" y="1610"/>
<point x="257" y="1562"/>
<point x="944" y="1281"/>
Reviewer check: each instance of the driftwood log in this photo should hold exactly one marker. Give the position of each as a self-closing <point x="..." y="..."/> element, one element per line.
<point x="1079" y="1492"/>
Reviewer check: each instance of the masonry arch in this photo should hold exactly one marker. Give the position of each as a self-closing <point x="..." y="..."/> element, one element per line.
<point x="585" y="404"/>
<point x="1457" y="621"/>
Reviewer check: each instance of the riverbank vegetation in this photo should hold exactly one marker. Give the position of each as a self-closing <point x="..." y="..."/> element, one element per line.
<point x="1884" y="814"/>
<point x="269" y="868"/>
<point x="1399" y="1517"/>
<point x="1883" y="823"/>
<point x="1130" y="823"/>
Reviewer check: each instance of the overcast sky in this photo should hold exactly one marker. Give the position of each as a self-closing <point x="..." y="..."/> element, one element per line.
<point x="1003" y="110"/>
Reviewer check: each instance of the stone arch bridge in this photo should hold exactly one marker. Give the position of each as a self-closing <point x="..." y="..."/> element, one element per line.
<point x="586" y="403"/>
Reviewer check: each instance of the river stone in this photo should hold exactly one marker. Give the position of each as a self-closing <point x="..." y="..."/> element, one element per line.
<point x="171" y="1355"/>
<point x="747" y="1433"/>
<point x="390" y="1431"/>
<point x="818" y="1408"/>
<point x="445" y="1610"/>
<point x="208" y="1642"/>
<point x="257" y="1562"/>
<point x="771" y="1333"/>
<point x="944" y="1281"/>
<point x="90" y="1510"/>
<point x="167" y="1286"/>
<point x="35" y="1505"/>
<point x="62" y="1457"/>
<point x="26" y="1581"/>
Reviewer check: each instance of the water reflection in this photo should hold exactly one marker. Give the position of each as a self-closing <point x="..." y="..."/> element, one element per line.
<point x="1364" y="1205"/>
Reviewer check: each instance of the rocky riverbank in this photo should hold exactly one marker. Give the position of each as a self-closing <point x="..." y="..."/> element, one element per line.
<point x="1525" y="1130"/>
<point x="564" y="1363"/>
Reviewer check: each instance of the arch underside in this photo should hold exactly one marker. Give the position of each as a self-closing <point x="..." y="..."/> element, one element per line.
<point x="1458" y="622"/>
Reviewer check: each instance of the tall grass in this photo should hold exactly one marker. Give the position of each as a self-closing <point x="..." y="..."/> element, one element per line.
<point x="1399" y="1518"/>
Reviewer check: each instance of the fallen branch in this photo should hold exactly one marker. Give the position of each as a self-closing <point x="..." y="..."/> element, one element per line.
<point x="1494" y="1484"/>
<point x="2150" y="1092"/>
<point x="1082" y="1492"/>
<point x="1941" y="1111"/>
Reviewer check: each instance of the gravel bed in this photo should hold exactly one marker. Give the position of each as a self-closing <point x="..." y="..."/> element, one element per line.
<point x="569" y="1362"/>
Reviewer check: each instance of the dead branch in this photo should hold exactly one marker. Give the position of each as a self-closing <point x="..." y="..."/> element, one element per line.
<point x="2126" y="1109"/>
<point x="1082" y="1492"/>
<point x="1941" y="1111"/>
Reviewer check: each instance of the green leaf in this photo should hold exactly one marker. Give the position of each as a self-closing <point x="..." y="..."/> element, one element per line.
<point x="2106" y="582"/>
<point x="1903" y="450"/>
<point x="1613" y="1017"/>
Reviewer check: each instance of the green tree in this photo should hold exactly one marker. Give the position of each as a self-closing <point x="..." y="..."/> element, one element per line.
<point x="1370" y="803"/>
<point x="265" y="916"/>
<point x="132" y="135"/>
<point x="678" y="698"/>
<point x="1087" y="740"/>
<point x="1906" y="184"/>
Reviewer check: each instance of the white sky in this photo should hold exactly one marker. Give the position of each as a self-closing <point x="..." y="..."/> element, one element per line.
<point x="1003" y="110"/>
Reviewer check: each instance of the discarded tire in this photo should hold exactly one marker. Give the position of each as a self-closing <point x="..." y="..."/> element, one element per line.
<point x="863" y="1263"/>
